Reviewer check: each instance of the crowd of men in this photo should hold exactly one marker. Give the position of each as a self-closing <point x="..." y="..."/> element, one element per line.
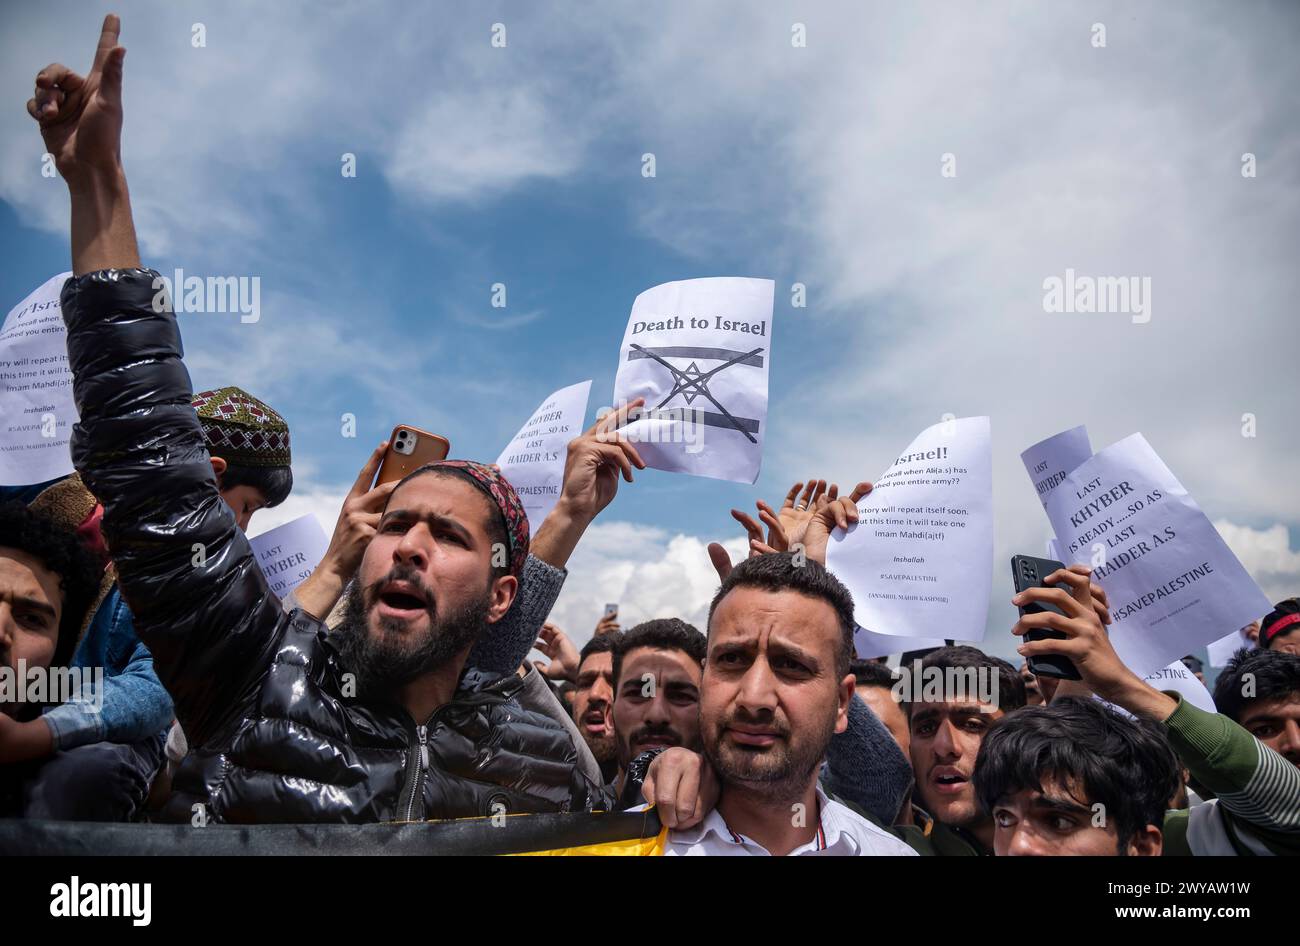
<point x="394" y="683"/>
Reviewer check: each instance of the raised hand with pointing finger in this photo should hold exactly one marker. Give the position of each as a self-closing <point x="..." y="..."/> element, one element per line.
<point x="80" y="118"/>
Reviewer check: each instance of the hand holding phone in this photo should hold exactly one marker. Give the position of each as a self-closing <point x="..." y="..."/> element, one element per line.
<point x="608" y="623"/>
<point x="410" y="448"/>
<point x="1029" y="572"/>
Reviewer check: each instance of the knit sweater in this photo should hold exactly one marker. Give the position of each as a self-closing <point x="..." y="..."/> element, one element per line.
<point x="1257" y="810"/>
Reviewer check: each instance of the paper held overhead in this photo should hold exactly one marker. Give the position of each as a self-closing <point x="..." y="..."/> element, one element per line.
<point x="36" y="406"/>
<point x="533" y="461"/>
<point x="1173" y="583"/>
<point x="1049" y="461"/>
<point x="868" y="646"/>
<point x="290" y="552"/>
<point x="699" y="352"/>
<point x="919" y="561"/>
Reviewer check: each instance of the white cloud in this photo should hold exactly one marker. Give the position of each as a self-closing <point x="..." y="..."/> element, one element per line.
<point x="323" y="503"/>
<point x="1267" y="555"/>
<point x="649" y="572"/>
<point x="219" y="140"/>
<point x="481" y="142"/>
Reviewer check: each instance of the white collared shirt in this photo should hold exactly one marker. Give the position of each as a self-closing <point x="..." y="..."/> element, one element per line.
<point x="840" y="832"/>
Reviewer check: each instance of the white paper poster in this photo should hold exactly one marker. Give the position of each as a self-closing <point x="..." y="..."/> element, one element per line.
<point x="919" y="562"/>
<point x="1178" y="678"/>
<point x="1173" y="583"/>
<point x="868" y="645"/>
<point x="1048" y="461"/>
<point x="36" y="407"/>
<point x="1221" y="651"/>
<point x="533" y="461"/>
<point x="288" y="553"/>
<point x="699" y="351"/>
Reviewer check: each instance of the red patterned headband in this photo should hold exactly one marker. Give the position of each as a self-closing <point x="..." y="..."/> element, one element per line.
<point x="504" y="497"/>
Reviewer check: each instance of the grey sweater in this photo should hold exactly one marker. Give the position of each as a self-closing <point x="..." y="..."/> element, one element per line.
<point x="864" y="765"/>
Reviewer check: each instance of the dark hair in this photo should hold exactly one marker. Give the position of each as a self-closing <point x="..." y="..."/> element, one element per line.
<point x="273" y="482"/>
<point x="604" y="644"/>
<point x="1011" y="688"/>
<point x="1125" y="764"/>
<point x="780" y="572"/>
<point x="663" y="634"/>
<point x="59" y="550"/>
<point x="1281" y="611"/>
<point x="872" y="674"/>
<point x="1274" y="675"/>
<point x="496" y="522"/>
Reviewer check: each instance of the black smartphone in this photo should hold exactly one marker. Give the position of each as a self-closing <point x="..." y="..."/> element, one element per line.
<point x="1029" y="572"/>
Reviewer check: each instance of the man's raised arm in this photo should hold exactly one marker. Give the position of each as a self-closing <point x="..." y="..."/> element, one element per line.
<point x="200" y="603"/>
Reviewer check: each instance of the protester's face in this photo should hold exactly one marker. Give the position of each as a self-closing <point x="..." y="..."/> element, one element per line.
<point x="425" y="590"/>
<point x="946" y="738"/>
<point x="1276" y="723"/>
<point x="1061" y="821"/>
<point x="1288" y="642"/>
<point x="243" y="501"/>
<point x="771" y="694"/>
<point x="1033" y="692"/>
<point x="31" y="606"/>
<point x="657" y="703"/>
<point x="593" y="699"/>
<point x="890" y="712"/>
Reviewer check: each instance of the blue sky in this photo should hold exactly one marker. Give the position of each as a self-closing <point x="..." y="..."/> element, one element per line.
<point x="478" y="165"/>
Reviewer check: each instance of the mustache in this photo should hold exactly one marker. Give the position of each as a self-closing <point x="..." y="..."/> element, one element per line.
<point x="405" y="573"/>
<point x="767" y="719"/>
<point x="649" y="732"/>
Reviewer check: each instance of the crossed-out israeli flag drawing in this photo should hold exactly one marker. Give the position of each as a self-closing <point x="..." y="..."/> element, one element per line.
<point x="699" y="352"/>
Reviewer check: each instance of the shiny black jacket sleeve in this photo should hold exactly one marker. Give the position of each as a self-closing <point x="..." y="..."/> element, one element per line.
<point x="200" y="602"/>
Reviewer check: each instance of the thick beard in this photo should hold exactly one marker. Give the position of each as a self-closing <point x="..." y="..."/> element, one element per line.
<point x="779" y="779"/>
<point x="604" y="749"/>
<point x="384" y="662"/>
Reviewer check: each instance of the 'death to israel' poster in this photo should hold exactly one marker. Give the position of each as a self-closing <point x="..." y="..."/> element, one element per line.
<point x="699" y="352"/>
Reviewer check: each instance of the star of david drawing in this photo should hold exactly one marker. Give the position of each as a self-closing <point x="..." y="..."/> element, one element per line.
<point x="692" y="381"/>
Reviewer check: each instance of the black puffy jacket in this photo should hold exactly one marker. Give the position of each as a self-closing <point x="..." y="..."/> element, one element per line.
<point x="258" y="692"/>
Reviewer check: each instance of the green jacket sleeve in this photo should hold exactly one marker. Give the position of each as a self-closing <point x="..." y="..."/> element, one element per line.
<point x="1258" y="791"/>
